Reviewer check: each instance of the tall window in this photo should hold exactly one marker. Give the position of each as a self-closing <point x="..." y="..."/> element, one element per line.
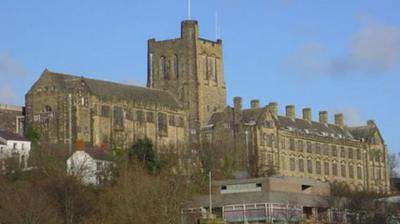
<point x="359" y="174"/>
<point x="118" y="118"/>
<point x="334" y="169"/>
<point x="300" y="145"/>
<point x="318" y="167"/>
<point x="326" y="168"/>
<point x="343" y="170"/>
<point x="291" y="144"/>
<point x="292" y="164"/>
<point x="301" y="165"/>
<point x="351" y="171"/>
<point x="176" y="66"/>
<point x="359" y="154"/>
<point x="342" y="152"/>
<point x="334" y="150"/>
<point x="163" y="67"/>
<point x="318" y="148"/>
<point x="350" y="153"/>
<point x="326" y="149"/>
<point x="309" y="147"/>
<point x="309" y="166"/>
<point x="162" y="124"/>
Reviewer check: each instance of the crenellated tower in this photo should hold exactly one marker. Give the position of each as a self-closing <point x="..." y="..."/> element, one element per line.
<point x="191" y="68"/>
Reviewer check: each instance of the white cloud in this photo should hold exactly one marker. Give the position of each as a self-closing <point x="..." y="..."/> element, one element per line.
<point x="374" y="49"/>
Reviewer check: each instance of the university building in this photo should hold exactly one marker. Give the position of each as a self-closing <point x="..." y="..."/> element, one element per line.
<point x="184" y="106"/>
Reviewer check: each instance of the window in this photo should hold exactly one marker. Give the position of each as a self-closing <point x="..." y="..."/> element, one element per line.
<point x="171" y="120"/>
<point x="309" y="147"/>
<point x="309" y="166"/>
<point x="334" y="169"/>
<point x="269" y="141"/>
<point x="129" y="115"/>
<point x="205" y="69"/>
<point x="118" y="118"/>
<point x="350" y="153"/>
<point x="318" y="148"/>
<point x="140" y="116"/>
<point x="343" y="170"/>
<point x="351" y="171"/>
<point x="163" y="67"/>
<point x="359" y="154"/>
<point x="318" y="167"/>
<point x="334" y="150"/>
<point x="105" y="111"/>
<point x="176" y="66"/>
<point x="291" y="144"/>
<point x="149" y="117"/>
<point x="359" y="174"/>
<point x="292" y="164"/>
<point x="162" y="124"/>
<point x="283" y="143"/>
<point x="300" y="145"/>
<point x="326" y="168"/>
<point x="181" y="122"/>
<point x="301" y="165"/>
<point x="210" y="68"/>
<point x="14" y="145"/>
<point x="342" y="152"/>
<point x="326" y="149"/>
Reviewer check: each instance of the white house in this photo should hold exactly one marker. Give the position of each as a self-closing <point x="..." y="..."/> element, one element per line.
<point x="14" y="146"/>
<point x="91" y="166"/>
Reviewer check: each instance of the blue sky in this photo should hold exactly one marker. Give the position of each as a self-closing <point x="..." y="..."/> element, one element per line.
<point x="340" y="56"/>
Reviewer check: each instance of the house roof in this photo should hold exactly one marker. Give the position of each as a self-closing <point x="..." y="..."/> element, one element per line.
<point x="99" y="154"/>
<point x="11" y="136"/>
<point x="123" y="91"/>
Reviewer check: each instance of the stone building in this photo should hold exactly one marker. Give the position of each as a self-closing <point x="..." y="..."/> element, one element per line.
<point x="185" y="103"/>
<point x="270" y="143"/>
<point x="12" y="118"/>
<point x="103" y="113"/>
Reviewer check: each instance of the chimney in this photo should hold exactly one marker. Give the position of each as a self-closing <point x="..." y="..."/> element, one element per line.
<point x="370" y="123"/>
<point x="273" y="108"/>
<point x="255" y="104"/>
<point x="290" y="112"/>
<point x="339" y="121"/>
<point x="307" y="114"/>
<point x="237" y="109"/>
<point x="323" y="117"/>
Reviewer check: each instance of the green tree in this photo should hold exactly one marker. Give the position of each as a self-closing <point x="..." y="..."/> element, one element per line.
<point x="143" y="151"/>
<point x="33" y="135"/>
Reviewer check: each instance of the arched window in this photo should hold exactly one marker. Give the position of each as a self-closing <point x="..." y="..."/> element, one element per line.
<point x="47" y="109"/>
<point x="163" y="67"/>
<point x="176" y="66"/>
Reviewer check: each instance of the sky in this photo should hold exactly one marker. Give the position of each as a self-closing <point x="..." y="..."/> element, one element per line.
<point x="339" y="56"/>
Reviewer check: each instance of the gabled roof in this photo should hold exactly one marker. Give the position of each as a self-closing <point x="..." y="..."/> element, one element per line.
<point x="362" y="132"/>
<point x="99" y="154"/>
<point x="11" y="136"/>
<point x="118" y="90"/>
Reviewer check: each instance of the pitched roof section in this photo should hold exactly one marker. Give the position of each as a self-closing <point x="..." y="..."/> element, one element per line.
<point x="11" y="136"/>
<point x="122" y="91"/>
<point x="296" y="125"/>
<point x="362" y="132"/>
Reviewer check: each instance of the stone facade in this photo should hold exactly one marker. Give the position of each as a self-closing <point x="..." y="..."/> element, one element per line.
<point x="191" y="69"/>
<point x="103" y="113"/>
<point x="303" y="148"/>
<point x="12" y="118"/>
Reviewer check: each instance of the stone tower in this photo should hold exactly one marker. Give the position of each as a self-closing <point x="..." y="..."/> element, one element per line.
<point x="191" y="68"/>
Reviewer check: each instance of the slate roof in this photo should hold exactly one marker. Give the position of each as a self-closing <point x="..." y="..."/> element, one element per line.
<point x="118" y="90"/>
<point x="11" y="136"/>
<point x="99" y="154"/>
<point x="296" y="125"/>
